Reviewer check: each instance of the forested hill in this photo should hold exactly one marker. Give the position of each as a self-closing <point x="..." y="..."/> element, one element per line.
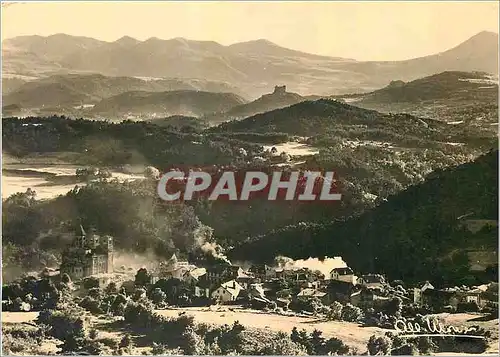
<point x="415" y="235"/>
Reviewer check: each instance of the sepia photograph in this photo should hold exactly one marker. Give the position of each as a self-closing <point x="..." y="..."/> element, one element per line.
<point x="240" y="178"/>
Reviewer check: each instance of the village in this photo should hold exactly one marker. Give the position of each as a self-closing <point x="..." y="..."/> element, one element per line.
<point x="96" y="288"/>
<point x="184" y="283"/>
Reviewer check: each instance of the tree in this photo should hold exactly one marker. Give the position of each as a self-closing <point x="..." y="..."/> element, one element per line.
<point x="152" y="173"/>
<point x="139" y="294"/>
<point x="90" y="283"/>
<point x="158" y="296"/>
<point x="351" y="313"/>
<point x="426" y="345"/>
<point x="335" y="312"/>
<point x="317" y="342"/>
<point x="395" y="307"/>
<point x="142" y="278"/>
<point x="125" y="346"/>
<point x="65" y="279"/>
<point x="379" y="345"/>
<point x="295" y="337"/>
<point x="111" y="288"/>
<point x="91" y="304"/>
<point x="192" y="343"/>
<point x="335" y="346"/>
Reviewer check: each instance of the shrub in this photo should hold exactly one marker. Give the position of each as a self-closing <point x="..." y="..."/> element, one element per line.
<point x="158" y="297"/>
<point x="91" y="304"/>
<point x="379" y="345"/>
<point x="467" y="307"/>
<point x="335" y="312"/>
<point x="62" y="324"/>
<point x="138" y="313"/>
<point x="90" y="283"/>
<point x="351" y="313"/>
<point x="407" y="349"/>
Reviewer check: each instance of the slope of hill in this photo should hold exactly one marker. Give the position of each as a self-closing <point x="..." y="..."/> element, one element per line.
<point x="76" y="89"/>
<point x="66" y="91"/>
<point x="54" y="47"/>
<point x="478" y="53"/>
<point x="187" y="103"/>
<point x="312" y="118"/>
<point x="10" y="85"/>
<point x="416" y="235"/>
<point x="249" y="66"/>
<point x="280" y="98"/>
<point x="180" y="122"/>
<point x="466" y="98"/>
<point x="446" y="85"/>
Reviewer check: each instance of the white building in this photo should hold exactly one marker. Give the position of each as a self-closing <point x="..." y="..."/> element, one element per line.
<point x="227" y="292"/>
<point x="343" y="274"/>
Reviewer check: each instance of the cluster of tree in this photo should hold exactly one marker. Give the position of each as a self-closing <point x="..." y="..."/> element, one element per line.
<point x="336" y="119"/>
<point x="392" y="344"/>
<point x="315" y="344"/>
<point x="32" y="294"/>
<point x="261" y="138"/>
<point x="130" y="212"/>
<point x="115" y="144"/>
<point x="90" y="173"/>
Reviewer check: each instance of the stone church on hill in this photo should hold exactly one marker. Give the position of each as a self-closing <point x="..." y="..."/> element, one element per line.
<point x="89" y="254"/>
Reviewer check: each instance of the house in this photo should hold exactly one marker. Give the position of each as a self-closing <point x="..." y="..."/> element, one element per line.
<point x="306" y="275"/>
<point x="283" y="303"/>
<point x="343" y="274"/>
<point x="216" y="274"/>
<point x="256" y="296"/>
<point x="201" y="291"/>
<point x="309" y="293"/>
<point x="282" y="273"/>
<point x="489" y="295"/>
<point x="372" y="281"/>
<point x="439" y="298"/>
<point x="372" y="297"/>
<point x="173" y="268"/>
<point x="193" y="276"/>
<point x="227" y="292"/>
<point x="243" y="278"/>
<point x="256" y="291"/>
<point x="263" y="272"/>
<point x="472" y="296"/>
<point x="89" y="254"/>
<point x="342" y="291"/>
<point x="417" y="292"/>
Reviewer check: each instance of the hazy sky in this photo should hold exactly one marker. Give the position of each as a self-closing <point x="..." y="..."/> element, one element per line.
<point x="364" y="31"/>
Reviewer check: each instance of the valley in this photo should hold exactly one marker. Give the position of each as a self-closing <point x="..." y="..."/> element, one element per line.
<point x="96" y="260"/>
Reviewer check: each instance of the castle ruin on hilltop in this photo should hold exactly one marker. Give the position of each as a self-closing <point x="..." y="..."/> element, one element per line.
<point x="279" y="90"/>
<point x="89" y="254"/>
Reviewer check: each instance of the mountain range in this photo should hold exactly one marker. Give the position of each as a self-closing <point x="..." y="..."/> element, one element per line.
<point x="251" y="66"/>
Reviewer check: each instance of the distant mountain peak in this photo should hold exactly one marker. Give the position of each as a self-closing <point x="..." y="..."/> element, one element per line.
<point x="126" y="40"/>
<point x="153" y="39"/>
<point x="258" y="42"/>
<point x="483" y="38"/>
<point x="486" y="33"/>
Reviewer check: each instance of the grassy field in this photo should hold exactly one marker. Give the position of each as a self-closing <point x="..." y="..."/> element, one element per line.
<point x="352" y="334"/>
